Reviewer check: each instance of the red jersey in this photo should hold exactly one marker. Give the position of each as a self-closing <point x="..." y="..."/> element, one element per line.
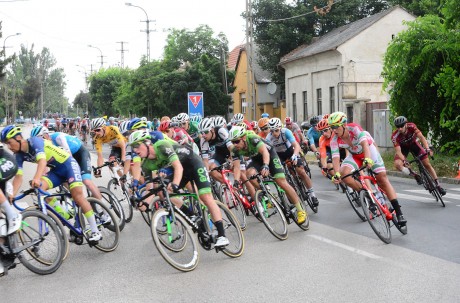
<point x="406" y="139"/>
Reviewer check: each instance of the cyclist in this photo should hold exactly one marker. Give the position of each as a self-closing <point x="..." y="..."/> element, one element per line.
<point x="287" y="147"/>
<point x="313" y="135"/>
<point x="263" y="126"/>
<point x="73" y="146"/>
<point x="112" y="121"/>
<point x="264" y="159"/>
<point x="265" y="115"/>
<point x="8" y="169"/>
<point x="110" y="135"/>
<point x="190" y="127"/>
<point x="63" y="168"/>
<point x="238" y="118"/>
<point x="179" y="135"/>
<point x="161" y="154"/>
<point x="296" y="131"/>
<point x="362" y="151"/>
<point x="84" y="129"/>
<point x="407" y="137"/>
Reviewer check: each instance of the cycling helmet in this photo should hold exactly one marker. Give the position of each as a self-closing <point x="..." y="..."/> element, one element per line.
<point x="111" y="119"/>
<point x="325" y="116"/>
<point x="219" y="121"/>
<point x="314" y="120"/>
<point x="174" y="122"/>
<point x="254" y="124"/>
<point x="144" y="119"/>
<point x="195" y="118"/>
<point x="288" y="121"/>
<point x="323" y="124"/>
<point x="206" y="125"/>
<point x="263" y="122"/>
<point x="164" y="118"/>
<point x="274" y="123"/>
<point x="305" y="125"/>
<point x="39" y="131"/>
<point x="97" y="122"/>
<point x="238" y="118"/>
<point x="236" y="132"/>
<point x="164" y="126"/>
<point x="182" y="117"/>
<point x="400" y="121"/>
<point x="242" y="125"/>
<point x="138" y="136"/>
<point x="137" y="123"/>
<point x="265" y="115"/>
<point x="10" y="131"/>
<point x="124" y="127"/>
<point x="337" y="119"/>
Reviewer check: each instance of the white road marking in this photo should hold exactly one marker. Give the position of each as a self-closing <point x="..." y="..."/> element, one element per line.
<point x="419" y="198"/>
<point x="346" y="247"/>
<point x="422" y="191"/>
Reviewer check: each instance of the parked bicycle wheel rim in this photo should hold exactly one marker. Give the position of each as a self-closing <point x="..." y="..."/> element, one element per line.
<point x="37" y="226"/>
<point x="115" y="205"/>
<point x="271" y="215"/>
<point x="185" y="259"/>
<point x="377" y="219"/>
<point x="233" y="205"/>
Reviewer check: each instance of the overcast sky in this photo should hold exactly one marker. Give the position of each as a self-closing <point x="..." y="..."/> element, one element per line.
<point x="68" y="27"/>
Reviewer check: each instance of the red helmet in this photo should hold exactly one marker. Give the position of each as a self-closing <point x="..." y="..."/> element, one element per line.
<point x="323" y="124"/>
<point x="164" y="126"/>
<point x="288" y="120"/>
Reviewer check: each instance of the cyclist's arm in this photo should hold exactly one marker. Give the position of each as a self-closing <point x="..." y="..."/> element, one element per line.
<point x="398" y="153"/>
<point x="178" y="171"/>
<point x="41" y="166"/>
<point x="366" y="149"/>
<point x="236" y="169"/>
<point x="423" y="140"/>
<point x="265" y="154"/>
<point x="100" y="158"/>
<point x="62" y="142"/>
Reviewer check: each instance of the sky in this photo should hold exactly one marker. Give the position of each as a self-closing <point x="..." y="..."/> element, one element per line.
<point x="67" y="27"/>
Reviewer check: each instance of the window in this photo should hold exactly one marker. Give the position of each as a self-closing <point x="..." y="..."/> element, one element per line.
<point x="294" y="107"/>
<point x="243" y="104"/>
<point x="319" y="100"/>
<point x="305" y="105"/>
<point x="332" y="99"/>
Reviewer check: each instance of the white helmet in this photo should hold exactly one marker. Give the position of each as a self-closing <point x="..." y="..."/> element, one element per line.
<point x="143" y="119"/>
<point x="220" y="121"/>
<point x="236" y="132"/>
<point x="97" y="122"/>
<point x="274" y="123"/>
<point x="182" y="117"/>
<point x="111" y="119"/>
<point x="124" y="127"/>
<point x="206" y="124"/>
<point x="139" y="136"/>
<point x="239" y="117"/>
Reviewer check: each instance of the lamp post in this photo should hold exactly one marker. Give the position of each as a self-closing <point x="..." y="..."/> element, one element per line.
<point x="147" y="21"/>
<point x="7" y="111"/>
<point x="102" y="57"/>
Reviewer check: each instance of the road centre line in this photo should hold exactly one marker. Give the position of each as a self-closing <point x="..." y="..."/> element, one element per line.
<point x="346" y="247"/>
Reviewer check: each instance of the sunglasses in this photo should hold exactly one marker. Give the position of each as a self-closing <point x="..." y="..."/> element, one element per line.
<point x="236" y="141"/>
<point x="275" y="130"/>
<point x="264" y="128"/>
<point x="325" y="130"/>
<point x="402" y="126"/>
<point x="135" y="145"/>
<point x="205" y="132"/>
<point x="97" y="130"/>
<point x="334" y="126"/>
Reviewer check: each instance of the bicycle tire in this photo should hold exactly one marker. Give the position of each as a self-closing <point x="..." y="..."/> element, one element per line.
<point x="431" y="186"/>
<point x="110" y="232"/>
<point x="233" y="232"/>
<point x="305" y="196"/>
<point x="62" y="231"/>
<point x="293" y="212"/>
<point x="233" y="205"/>
<point x="186" y="259"/>
<point x="277" y="225"/>
<point x="351" y="196"/>
<point x="118" y="191"/>
<point x="30" y="229"/>
<point x="115" y="205"/>
<point x="377" y="219"/>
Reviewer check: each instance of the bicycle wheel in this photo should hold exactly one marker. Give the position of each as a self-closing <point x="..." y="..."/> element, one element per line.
<point x="233" y="205"/>
<point x="162" y="229"/>
<point x="42" y="233"/>
<point x="178" y="232"/>
<point x="305" y="196"/>
<point x="375" y="216"/>
<point x="430" y="185"/>
<point x="271" y="215"/>
<point x="355" y="201"/>
<point x="115" y="205"/>
<point x="115" y="187"/>
<point x="62" y="231"/>
<point x="108" y="228"/>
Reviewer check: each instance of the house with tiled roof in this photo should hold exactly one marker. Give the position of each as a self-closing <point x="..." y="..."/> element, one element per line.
<point x="342" y="70"/>
<point x="266" y="95"/>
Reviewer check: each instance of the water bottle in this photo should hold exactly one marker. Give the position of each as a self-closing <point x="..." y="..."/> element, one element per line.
<point x="380" y="197"/>
<point x="3" y="229"/>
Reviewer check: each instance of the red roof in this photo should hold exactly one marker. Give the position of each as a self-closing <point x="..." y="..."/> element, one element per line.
<point x="233" y="57"/>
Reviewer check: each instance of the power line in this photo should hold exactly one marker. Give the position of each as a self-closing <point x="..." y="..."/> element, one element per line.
<point x="122" y="51"/>
<point x="315" y="11"/>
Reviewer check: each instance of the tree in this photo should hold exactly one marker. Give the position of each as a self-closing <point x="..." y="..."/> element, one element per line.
<point x="421" y="72"/>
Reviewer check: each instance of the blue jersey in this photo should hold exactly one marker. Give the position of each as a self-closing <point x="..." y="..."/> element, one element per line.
<point x="313" y="136"/>
<point x="73" y="142"/>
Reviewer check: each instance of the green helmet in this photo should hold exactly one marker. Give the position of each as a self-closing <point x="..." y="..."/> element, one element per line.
<point x="236" y="132"/>
<point x="138" y="136"/>
<point x="337" y="119"/>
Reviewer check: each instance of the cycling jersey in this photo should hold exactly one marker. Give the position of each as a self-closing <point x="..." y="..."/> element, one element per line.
<point x="69" y="143"/>
<point x="217" y="148"/>
<point x="8" y="166"/>
<point x="313" y="136"/>
<point x="406" y="139"/>
<point x="193" y="131"/>
<point x="296" y="131"/>
<point x="112" y="137"/>
<point x="283" y="144"/>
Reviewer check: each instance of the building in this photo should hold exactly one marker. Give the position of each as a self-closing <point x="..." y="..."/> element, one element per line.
<point x="342" y="70"/>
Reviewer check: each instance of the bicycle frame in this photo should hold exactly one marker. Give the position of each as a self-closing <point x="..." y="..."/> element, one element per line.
<point x="224" y="170"/>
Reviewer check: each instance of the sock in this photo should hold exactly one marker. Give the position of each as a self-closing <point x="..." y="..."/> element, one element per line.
<point x="92" y="221"/>
<point x="220" y="228"/>
<point x="311" y="192"/>
<point x="9" y="210"/>
<point x="298" y="206"/>
<point x="405" y="171"/>
<point x="396" y="206"/>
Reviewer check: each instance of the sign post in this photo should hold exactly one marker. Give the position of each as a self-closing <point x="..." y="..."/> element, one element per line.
<point x="195" y="104"/>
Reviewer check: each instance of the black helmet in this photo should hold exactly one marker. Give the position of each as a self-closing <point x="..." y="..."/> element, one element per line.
<point x="314" y="120"/>
<point x="400" y="121"/>
<point x="305" y="125"/>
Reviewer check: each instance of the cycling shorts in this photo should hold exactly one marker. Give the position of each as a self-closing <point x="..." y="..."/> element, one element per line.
<point x="275" y="166"/>
<point x="83" y="158"/>
<point x="68" y="171"/>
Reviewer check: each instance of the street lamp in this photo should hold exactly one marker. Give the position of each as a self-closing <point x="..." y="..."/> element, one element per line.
<point x="102" y="57"/>
<point x="4" y="41"/>
<point x="147" y="21"/>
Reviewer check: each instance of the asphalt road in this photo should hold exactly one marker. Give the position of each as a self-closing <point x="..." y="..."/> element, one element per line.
<point x="339" y="259"/>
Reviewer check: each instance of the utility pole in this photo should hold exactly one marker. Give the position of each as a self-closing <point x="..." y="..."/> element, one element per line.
<point x="250" y="98"/>
<point x="147" y="30"/>
<point x="122" y="51"/>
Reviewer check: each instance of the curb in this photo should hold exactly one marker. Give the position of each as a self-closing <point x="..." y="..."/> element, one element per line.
<point x="401" y="175"/>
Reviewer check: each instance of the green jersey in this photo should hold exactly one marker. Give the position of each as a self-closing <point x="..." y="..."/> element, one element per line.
<point x="166" y="152"/>
<point x="254" y="142"/>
